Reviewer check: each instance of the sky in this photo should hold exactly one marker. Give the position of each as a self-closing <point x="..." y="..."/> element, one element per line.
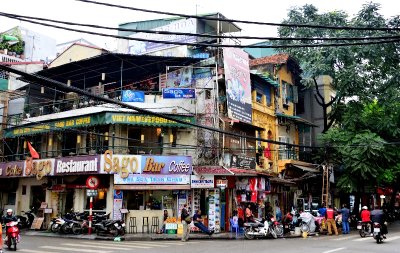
<point x="254" y="10"/>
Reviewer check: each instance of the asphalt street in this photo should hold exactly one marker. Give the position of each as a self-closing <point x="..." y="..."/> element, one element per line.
<point x="351" y="243"/>
<point x="323" y="244"/>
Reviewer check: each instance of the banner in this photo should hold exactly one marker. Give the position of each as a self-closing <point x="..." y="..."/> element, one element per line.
<point x="238" y="86"/>
<point x="132" y="96"/>
<point x="205" y="182"/>
<point x="77" y="165"/>
<point x="118" y="197"/>
<point x="178" y="93"/>
<point x="12" y="169"/>
<point x="152" y="179"/>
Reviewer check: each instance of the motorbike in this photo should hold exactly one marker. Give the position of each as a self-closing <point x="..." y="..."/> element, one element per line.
<point x="378" y="233"/>
<point x="364" y="228"/>
<point x="26" y="221"/>
<point x="70" y="225"/>
<point x="12" y="235"/>
<point x="259" y="228"/>
<point x="113" y="227"/>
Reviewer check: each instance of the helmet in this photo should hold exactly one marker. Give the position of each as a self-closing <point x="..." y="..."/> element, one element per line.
<point x="9" y="211"/>
<point x="365" y="208"/>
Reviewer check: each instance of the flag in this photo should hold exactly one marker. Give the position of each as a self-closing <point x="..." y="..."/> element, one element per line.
<point x="34" y="153"/>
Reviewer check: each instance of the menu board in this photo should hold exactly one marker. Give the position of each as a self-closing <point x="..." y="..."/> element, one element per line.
<point x="214" y="211"/>
<point x="167" y="202"/>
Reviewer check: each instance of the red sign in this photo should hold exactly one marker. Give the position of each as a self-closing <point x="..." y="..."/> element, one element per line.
<point x="92" y="182"/>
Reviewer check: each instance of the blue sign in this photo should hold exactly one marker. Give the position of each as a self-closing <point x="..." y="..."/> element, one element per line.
<point x="183" y="93"/>
<point x="132" y="96"/>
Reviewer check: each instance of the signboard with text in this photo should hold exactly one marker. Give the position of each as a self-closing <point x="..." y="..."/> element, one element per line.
<point x="178" y="93"/>
<point x="152" y="179"/>
<point x="166" y="165"/>
<point x="12" y="169"/>
<point x="77" y="165"/>
<point x="204" y="182"/>
<point x="132" y="96"/>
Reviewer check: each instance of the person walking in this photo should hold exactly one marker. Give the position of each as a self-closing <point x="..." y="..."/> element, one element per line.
<point x="198" y="222"/>
<point x="330" y="220"/>
<point x="345" y="219"/>
<point x="186" y="220"/>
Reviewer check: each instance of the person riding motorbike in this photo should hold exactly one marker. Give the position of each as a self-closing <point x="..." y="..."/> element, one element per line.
<point x="8" y="218"/>
<point x="366" y="217"/>
<point x="377" y="215"/>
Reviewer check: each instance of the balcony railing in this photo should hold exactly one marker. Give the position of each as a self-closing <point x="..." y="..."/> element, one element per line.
<point x="293" y="153"/>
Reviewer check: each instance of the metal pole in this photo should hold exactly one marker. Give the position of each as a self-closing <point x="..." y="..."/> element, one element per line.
<point x="90" y="215"/>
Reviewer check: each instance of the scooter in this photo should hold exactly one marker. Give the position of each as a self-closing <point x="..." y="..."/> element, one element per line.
<point x="364" y="228"/>
<point x="378" y="233"/>
<point x="113" y="227"/>
<point x="26" y="221"/>
<point x="258" y="228"/>
<point x="12" y="235"/>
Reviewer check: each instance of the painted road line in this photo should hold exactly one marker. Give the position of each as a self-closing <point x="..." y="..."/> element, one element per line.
<point x="149" y="244"/>
<point x="362" y="239"/>
<point x="35" y="251"/>
<point x="118" y="245"/>
<point x="174" y="243"/>
<point x="346" y="238"/>
<point x="333" y="250"/>
<point x="392" y="238"/>
<point x="76" y="250"/>
<point x="111" y="247"/>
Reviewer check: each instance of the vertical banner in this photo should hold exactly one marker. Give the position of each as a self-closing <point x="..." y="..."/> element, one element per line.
<point x="118" y="197"/>
<point x="214" y="211"/>
<point x="238" y="87"/>
<point x="181" y="201"/>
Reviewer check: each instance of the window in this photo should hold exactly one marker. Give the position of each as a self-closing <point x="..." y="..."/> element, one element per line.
<point x="268" y="96"/>
<point x="259" y="97"/>
<point x="243" y="143"/>
<point x="284" y="93"/>
<point x="135" y="200"/>
<point x="284" y="150"/>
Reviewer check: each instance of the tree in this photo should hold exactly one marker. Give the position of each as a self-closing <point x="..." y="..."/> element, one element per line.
<point x="362" y="72"/>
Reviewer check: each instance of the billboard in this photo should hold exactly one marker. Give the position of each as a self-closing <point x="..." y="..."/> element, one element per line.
<point x="145" y="47"/>
<point x="238" y="87"/>
<point x="132" y="96"/>
<point x="178" y="93"/>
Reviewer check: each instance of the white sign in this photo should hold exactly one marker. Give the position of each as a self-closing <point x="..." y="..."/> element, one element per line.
<point x="152" y="179"/>
<point x="202" y="181"/>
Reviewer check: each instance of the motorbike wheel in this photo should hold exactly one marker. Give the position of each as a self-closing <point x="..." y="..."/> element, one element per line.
<point x="304" y="227"/>
<point x="378" y="239"/>
<point x="279" y="230"/>
<point x="76" y="229"/>
<point x="65" y="228"/>
<point x="121" y="231"/>
<point x="54" y="228"/>
<point x="247" y="235"/>
<point x="362" y="233"/>
<point x="114" y="231"/>
<point x="8" y="243"/>
<point x="273" y="233"/>
<point x="14" y="243"/>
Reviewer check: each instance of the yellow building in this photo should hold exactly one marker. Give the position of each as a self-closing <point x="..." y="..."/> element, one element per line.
<point x="278" y="117"/>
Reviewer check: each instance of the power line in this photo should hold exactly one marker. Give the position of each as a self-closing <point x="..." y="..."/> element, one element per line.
<point x="53" y="83"/>
<point x="245" y="21"/>
<point x="210" y="44"/>
<point x="201" y="35"/>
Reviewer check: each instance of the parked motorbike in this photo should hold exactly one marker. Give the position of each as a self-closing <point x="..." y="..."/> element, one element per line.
<point x="113" y="227"/>
<point x="26" y="221"/>
<point x="70" y="225"/>
<point x="379" y="235"/>
<point x="364" y="228"/>
<point x="12" y="235"/>
<point x="259" y="228"/>
<point x="56" y="224"/>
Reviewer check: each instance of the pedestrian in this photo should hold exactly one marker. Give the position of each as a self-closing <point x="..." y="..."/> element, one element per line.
<point x="249" y="214"/>
<point x="330" y="220"/>
<point x="198" y="222"/>
<point x="186" y="220"/>
<point x="345" y="219"/>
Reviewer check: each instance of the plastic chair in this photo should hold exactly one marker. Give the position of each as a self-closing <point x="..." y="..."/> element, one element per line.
<point x="234" y="226"/>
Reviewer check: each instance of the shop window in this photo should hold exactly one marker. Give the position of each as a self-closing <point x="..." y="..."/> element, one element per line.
<point x="24" y="190"/>
<point x="135" y="200"/>
<point x="11" y="198"/>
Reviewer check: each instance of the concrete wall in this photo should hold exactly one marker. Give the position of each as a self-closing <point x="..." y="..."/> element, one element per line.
<point x="75" y="53"/>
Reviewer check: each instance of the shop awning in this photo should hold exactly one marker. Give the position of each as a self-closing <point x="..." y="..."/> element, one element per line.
<point x="103" y="118"/>
<point x="212" y="170"/>
<point x="151" y="187"/>
<point x="243" y="172"/>
<point x="306" y="168"/>
<point x="296" y="119"/>
<point x="278" y="180"/>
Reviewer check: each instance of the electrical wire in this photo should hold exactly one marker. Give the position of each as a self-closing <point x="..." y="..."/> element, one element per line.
<point x="212" y="36"/>
<point x="210" y="44"/>
<point x="292" y="25"/>
<point x="59" y="85"/>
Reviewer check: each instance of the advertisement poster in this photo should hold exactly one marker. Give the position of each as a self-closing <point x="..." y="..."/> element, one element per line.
<point x="181" y="201"/>
<point x="214" y="212"/>
<point x="118" y="196"/>
<point x="132" y="96"/>
<point x="178" y="93"/>
<point x="238" y="87"/>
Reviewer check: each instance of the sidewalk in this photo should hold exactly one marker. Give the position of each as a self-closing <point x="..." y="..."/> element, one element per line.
<point x="144" y="236"/>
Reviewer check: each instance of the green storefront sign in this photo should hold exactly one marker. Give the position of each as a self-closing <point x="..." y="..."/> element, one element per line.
<point x="96" y="119"/>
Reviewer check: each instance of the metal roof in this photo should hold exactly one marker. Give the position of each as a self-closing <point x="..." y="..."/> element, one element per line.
<point x="131" y="68"/>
